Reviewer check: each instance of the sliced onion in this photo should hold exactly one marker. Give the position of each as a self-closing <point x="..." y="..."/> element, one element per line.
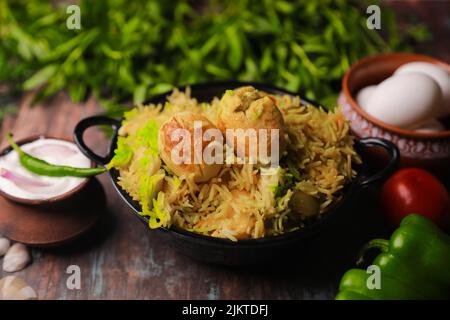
<point x="22" y="181"/>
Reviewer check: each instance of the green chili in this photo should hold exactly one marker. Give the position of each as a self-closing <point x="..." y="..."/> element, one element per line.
<point x="43" y="168"/>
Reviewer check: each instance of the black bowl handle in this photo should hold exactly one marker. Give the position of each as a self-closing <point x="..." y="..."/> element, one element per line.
<point x="393" y="164"/>
<point x="86" y="123"/>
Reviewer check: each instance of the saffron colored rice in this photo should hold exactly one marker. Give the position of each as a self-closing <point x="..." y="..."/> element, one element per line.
<point x="240" y="202"/>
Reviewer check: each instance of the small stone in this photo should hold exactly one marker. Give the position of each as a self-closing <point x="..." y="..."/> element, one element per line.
<point x="14" y="288"/>
<point x="4" y="246"/>
<point x="17" y="258"/>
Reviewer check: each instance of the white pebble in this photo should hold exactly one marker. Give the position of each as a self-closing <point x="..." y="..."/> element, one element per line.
<point x="4" y="246"/>
<point x="16" y="258"/>
<point x="14" y="288"/>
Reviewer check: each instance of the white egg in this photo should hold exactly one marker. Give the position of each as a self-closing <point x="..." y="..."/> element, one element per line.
<point x="432" y="126"/>
<point x="439" y="74"/>
<point x="405" y="100"/>
<point x="363" y="96"/>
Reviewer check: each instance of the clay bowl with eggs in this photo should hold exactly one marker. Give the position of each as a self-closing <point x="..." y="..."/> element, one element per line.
<point x="429" y="150"/>
<point x="248" y="251"/>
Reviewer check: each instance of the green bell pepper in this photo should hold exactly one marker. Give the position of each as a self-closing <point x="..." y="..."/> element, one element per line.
<point x="400" y="269"/>
<point x="355" y="280"/>
<point x="414" y="264"/>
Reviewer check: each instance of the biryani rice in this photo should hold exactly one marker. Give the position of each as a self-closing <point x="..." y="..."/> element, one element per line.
<point x="239" y="202"/>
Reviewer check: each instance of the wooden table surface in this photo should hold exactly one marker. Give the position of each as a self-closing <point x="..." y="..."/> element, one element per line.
<point x="121" y="259"/>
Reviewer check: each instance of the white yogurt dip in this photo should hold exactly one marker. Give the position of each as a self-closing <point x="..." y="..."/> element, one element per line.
<point x="32" y="186"/>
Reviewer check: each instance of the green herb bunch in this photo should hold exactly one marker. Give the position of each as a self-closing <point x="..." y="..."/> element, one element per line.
<point x="130" y="50"/>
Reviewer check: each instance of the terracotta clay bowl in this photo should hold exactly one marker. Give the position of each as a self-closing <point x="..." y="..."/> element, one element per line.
<point x="53" y="200"/>
<point x="429" y="150"/>
<point x="53" y="221"/>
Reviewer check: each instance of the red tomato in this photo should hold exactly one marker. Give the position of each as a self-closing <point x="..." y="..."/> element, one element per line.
<point x="415" y="190"/>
